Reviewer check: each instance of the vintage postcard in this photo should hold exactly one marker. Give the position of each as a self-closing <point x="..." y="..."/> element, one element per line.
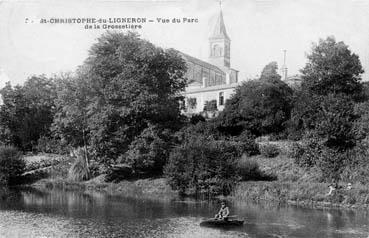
<point x="184" y="118"/>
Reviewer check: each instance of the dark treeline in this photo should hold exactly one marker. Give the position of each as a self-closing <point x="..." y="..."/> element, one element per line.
<point x="122" y="108"/>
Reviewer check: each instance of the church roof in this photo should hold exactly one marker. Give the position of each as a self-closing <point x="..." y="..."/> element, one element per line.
<point x="201" y="62"/>
<point x="211" y="88"/>
<point x="219" y="31"/>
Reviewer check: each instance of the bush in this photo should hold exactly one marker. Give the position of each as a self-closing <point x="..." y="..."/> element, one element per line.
<point x="248" y="142"/>
<point x="296" y="151"/>
<point x="332" y="163"/>
<point x="361" y="126"/>
<point x="95" y="168"/>
<point x="12" y="165"/>
<point x="283" y="135"/>
<point x="42" y="163"/>
<point x="312" y="147"/>
<point x="203" y="165"/>
<point x="248" y="169"/>
<point x="196" y="118"/>
<point x="148" y="153"/>
<point x="269" y="150"/>
<point x="259" y="106"/>
<point x="79" y="171"/>
<point x="51" y="145"/>
<point x="118" y="173"/>
<point x="357" y="168"/>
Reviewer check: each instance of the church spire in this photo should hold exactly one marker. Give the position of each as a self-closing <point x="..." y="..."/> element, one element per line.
<point x="219" y="31"/>
<point x="220" y="43"/>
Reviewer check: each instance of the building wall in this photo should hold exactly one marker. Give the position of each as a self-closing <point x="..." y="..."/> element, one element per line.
<point x="233" y="76"/>
<point x="203" y="96"/>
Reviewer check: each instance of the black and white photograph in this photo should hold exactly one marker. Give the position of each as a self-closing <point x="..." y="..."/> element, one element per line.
<point x="184" y="118"/>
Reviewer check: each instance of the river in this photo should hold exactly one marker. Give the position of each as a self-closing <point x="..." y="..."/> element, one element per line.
<point x="56" y="213"/>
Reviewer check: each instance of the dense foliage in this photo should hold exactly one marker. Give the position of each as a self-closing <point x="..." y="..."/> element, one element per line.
<point x="200" y="165"/>
<point x="269" y="150"/>
<point x="326" y="114"/>
<point x="125" y="85"/>
<point x="27" y="112"/>
<point x="332" y="69"/>
<point x="80" y="170"/>
<point x="12" y="165"/>
<point x="258" y="106"/>
<point x="148" y="152"/>
<point x="248" y="169"/>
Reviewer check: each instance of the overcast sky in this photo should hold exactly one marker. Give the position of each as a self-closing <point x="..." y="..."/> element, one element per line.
<point x="259" y="31"/>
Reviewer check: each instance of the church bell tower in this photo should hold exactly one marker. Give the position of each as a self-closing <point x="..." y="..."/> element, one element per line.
<point x="219" y="43"/>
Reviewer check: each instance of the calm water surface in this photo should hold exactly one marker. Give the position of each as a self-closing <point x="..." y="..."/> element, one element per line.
<point x="32" y="213"/>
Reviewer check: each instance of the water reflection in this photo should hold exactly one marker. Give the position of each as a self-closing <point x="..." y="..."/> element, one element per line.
<point x="35" y="213"/>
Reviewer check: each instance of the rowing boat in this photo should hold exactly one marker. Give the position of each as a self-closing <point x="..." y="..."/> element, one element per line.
<point x="221" y="223"/>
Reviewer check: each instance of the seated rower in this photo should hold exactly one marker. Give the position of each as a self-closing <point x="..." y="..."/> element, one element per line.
<point x="223" y="212"/>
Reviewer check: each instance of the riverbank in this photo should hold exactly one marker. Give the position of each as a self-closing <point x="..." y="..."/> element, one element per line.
<point x="302" y="194"/>
<point x="298" y="186"/>
<point x="294" y="185"/>
<point x="142" y="188"/>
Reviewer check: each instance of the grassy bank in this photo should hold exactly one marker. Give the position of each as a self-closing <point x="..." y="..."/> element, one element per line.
<point x="306" y="194"/>
<point x="286" y="170"/>
<point x="142" y="188"/>
<point x="43" y="174"/>
<point x="296" y="185"/>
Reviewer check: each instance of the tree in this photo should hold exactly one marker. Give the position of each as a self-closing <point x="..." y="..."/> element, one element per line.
<point x="125" y="85"/>
<point x="148" y="153"/>
<point x="361" y="125"/>
<point x="27" y="111"/>
<point x="335" y="122"/>
<point x="259" y="106"/>
<point x="203" y="165"/>
<point x="324" y="109"/>
<point x="270" y="73"/>
<point x="304" y="113"/>
<point x="332" y="68"/>
<point x="12" y="165"/>
<point x="71" y="118"/>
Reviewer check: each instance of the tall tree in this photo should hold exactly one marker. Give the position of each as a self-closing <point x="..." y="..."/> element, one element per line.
<point x="270" y="73"/>
<point x="27" y="111"/>
<point x="131" y="84"/>
<point x="332" y="68"/>
<point x="259" y="106"/>
<point x="71" y="119"/>
<point x="332" y="71"/>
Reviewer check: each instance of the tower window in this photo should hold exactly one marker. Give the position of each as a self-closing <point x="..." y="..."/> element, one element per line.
<point x="221" y="99"/>
<point x="217" y="50"/>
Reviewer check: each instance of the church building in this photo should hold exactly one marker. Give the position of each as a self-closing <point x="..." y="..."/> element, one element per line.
<point x="211" y="83"/>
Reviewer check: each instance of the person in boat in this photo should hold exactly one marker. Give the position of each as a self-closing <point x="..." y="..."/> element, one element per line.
<point x="223" y="212"/>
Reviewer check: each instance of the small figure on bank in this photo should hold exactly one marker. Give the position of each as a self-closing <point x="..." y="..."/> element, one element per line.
<point x="332" y="188"/>
<point x="349" y="186"/>
<point x="223" y="212"/>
